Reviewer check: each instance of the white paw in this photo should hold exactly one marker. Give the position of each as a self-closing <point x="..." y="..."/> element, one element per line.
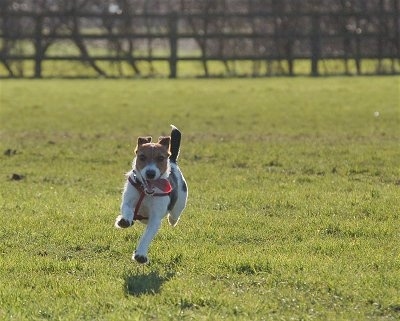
<point x="142" y="259"/>
<point x="121" y="222"/>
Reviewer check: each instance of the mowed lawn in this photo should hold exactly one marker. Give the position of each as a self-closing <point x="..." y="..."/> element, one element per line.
<point x="293" y="211"/>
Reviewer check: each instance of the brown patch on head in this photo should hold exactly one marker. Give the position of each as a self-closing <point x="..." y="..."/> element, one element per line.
<point x="153" y="153"/>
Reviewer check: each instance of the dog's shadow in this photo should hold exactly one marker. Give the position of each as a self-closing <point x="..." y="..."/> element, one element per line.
<point x="150" y="283"/>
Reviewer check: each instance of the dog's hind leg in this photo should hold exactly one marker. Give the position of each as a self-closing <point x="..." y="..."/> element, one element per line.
<point x="176" y="211"/>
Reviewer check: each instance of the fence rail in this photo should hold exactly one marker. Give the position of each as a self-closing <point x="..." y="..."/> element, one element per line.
<point x="178" y="37"/>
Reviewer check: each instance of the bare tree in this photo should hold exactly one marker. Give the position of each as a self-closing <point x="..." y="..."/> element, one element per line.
<point x="271" y="32"/>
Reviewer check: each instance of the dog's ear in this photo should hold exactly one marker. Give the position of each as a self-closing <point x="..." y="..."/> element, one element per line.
<point x="164" y="141"/>
<point x="143" y="140"/>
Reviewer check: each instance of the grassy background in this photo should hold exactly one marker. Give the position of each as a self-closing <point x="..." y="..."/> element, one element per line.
<point x="293" y="209"/>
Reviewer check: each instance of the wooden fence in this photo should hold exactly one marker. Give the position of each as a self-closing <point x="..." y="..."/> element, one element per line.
<point x="177" y="37"/>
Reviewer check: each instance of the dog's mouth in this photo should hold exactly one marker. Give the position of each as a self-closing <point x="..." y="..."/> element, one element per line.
<point x="152" y="181"/>
<point x="149" y="186"/>
<point x="155" y="183"/>
<point x="160" y="183"/>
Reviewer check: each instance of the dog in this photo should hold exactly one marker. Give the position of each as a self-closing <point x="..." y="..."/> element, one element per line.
<point x="154" y="188"/>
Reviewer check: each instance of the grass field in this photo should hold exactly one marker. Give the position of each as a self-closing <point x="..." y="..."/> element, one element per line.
<point x="293" y="210"/>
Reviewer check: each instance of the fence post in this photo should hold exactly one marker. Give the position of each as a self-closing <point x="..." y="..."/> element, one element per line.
<point x="38" y="46"/>
<point x="173" y="43"/>
<point x="315" y="44"/>
<point x="358" y="50"/>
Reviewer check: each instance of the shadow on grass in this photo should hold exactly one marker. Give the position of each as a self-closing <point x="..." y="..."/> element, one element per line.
<point x="150" y="283"/>
<point x="143" y="283"/>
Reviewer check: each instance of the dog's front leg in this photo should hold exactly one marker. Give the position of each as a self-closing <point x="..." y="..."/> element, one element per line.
<point x="153" y="225"/>
<point x="129" y="197"/>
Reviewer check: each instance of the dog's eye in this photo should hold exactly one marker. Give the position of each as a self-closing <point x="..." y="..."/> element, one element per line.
<point x="142" y="158"/>
<point x="160" y="158"/>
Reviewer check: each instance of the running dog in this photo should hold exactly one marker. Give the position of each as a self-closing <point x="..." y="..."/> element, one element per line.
<point x="154" y="188"/>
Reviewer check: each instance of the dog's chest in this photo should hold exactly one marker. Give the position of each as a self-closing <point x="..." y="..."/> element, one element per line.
<point x="152" y="205"/>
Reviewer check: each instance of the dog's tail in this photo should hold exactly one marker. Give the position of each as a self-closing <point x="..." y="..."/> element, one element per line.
<point x="175" y="144"/>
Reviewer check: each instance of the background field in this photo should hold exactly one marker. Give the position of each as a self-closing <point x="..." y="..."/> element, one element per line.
<point x="293" y="209"/>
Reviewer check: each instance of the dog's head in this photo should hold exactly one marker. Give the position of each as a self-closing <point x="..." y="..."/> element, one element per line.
<point x="152" y="159"/>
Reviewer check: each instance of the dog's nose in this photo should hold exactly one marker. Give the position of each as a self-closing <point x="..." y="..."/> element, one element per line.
<point x="150" y="173"/>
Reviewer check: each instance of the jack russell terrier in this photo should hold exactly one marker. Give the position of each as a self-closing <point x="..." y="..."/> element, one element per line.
<point x="155" y="186"/>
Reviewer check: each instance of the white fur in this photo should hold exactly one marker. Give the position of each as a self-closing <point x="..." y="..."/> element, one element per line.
<point x="153" y="207"/>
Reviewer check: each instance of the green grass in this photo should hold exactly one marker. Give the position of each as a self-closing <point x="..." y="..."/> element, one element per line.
<point x="293" y="211"/>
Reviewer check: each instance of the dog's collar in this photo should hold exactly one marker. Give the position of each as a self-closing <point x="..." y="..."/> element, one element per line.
<point x="163" y="184"/>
